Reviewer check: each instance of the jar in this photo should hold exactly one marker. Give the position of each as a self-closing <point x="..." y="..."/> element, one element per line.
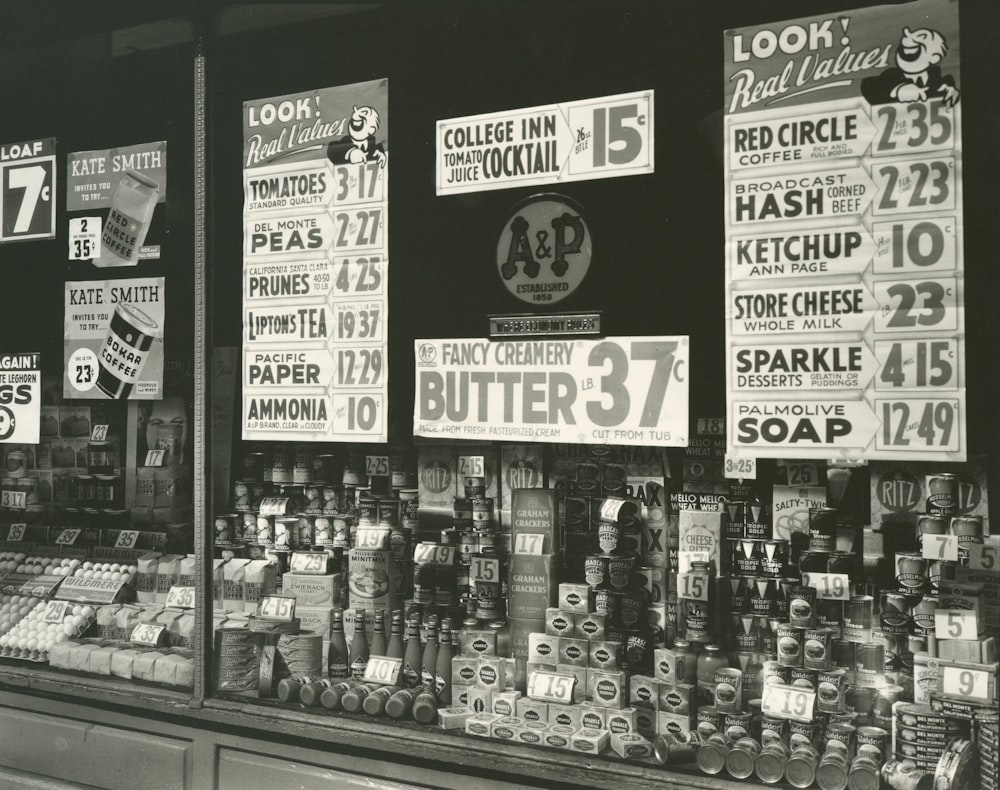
<point x="709" y="661"/>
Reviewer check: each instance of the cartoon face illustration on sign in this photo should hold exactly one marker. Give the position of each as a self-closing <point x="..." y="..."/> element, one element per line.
<point x="917" y="75"/>
<point x="359" y="145"/>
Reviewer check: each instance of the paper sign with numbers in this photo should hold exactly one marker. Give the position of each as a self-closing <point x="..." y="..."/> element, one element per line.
<point x="788" y="702"/>
<point x="940" y="547"/>
<point x="551" y="687"/>
<point x="471" y="466"/>
<point x="982" y="556"/>
<point x="968" y="683"/>
<point x="149" y="635"/>
<point x="529" y="543"/>
<point x="16" y="532"/>
<point x="605" y="137"/>
<point x="85" y="238"/>
<point x="845" y="281"/>
<point x="829" y="586"/>
<point x="310" y="562"/>
<point x="181" y="597"/>
<point x="693" y="586"/>
<point x="956" y="624"/>
<point x="424" y="553"/>
<point x="20" y="398"/>
<point x="55" y="611"/>
<point x="623" y="390"/>
<point x="27" y="190"/>
<point x="316" y="270"/>
<point x="381" y="669"/>
<point x="277" y="607"/>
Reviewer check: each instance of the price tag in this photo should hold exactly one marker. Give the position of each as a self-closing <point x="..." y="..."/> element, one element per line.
<point x="55" y="611"/>
<point x="372" y="538"/>
<point x="693" y="586"/>
<point x="424" y="553"/>
<point x="310" y="562"/>
<point x="529" y="543"/>
<point x="551" y="687"/>
<point x="277" y="607"/>
<point x="377" y="465"/>
<point x="788" y="702"/>
<point x="148" y="634"/>
<point x="85" y="241"/>
<point x="361" y="183"/>
<point x="800" y="474"/>
<point x="982" y="556"/>
<point x="273" y="506"/>
<point x="67" y="537"/>
<point x="358" y="321"/>
<point x="27" y="196"/>
<point x="956" y="624"/>
<point x="471" y="466"/>
<point x="711" y="426"/>
<point x="610" y="508"/>
<point x="99" y="433"/>
<point x="484" y="569"/>
<point x="940" y="547"/>
<point x="740" y="468"/>
<point x="917" y="424"/>
<point x="127" y="538"/>
<point x="829" y="586"/>
<point x="13" y="500"/>
<point x="963" y="682"/>
<point x="181" y="597"/>
<point x="385" y="670"/>
<point x="16" y="532"/>
<point x="155" y="457"/>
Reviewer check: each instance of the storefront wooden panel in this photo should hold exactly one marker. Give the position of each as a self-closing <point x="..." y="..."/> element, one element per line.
<point x="93" y="754"/>
<point x="245" y="769"/>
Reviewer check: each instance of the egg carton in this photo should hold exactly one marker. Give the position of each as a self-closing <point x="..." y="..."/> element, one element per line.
<point x="31" y="638"/>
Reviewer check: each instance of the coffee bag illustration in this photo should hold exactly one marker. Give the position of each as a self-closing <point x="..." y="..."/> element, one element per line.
<point x="128" y="221"/>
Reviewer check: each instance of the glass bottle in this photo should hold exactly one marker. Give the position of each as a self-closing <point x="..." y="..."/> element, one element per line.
<point x="428" y="665"/>
<point x="400" y="704"/>
<point x="442" y="674"/>
<point x="413" y="655"/>
<point x="359" y="646"/>
<point x="374" y="703"/>
<point x="395" y="647"/>
<point x="425" y="707"/>
<point x="378" y="646"/>
<point x="690" y="661"/>
<point x="337" y="663"/>
<point x="331" y="697"/>
<point x="709" y="660"/>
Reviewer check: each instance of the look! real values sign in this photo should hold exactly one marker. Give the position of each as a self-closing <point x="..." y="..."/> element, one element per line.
<point x="844" y="267"/>
<point x="315" y="267"/>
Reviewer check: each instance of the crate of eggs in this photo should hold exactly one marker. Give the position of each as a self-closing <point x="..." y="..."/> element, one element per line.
<point x="105" y="571"/>
<point x="47" y="623"/>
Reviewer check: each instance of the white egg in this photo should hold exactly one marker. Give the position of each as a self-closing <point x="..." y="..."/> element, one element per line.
<point x="21" y="568"/>
<point x="88" y="566"/>
<point x="88" y="611"/>
<point x="68" y="629"/>
<point x="116" y="576"/>
<point x="88" y="574"/>
<point x="78" y="621"/>
<point x="115" y="567"/>
<point x="77" y="609"/>
<point x="79" y="573"/>
<point x="74" y="563"/>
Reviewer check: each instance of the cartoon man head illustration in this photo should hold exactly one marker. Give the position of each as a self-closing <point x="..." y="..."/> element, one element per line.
<point x="917" y="75"/>
<point x="360" y="144"/>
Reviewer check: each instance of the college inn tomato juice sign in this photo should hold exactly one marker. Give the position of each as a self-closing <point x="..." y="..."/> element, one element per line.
<point x="845" y="317"/>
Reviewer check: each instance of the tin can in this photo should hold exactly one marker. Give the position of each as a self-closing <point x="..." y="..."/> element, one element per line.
<point x="728" y="689"/>
<point x="817" y="649"/>
<point x="911" y="573"/>
<point x="331" y="496"/>
<point x="745" y="557"/>
<point x="671" y="749"/>
<point x="845" y="562"/>
<point x="736" y="510"/>
<point x="774" y="558"/>
<point x="323" y="526"/>
<point x="801" y="733"/>
<point x="367" y="511"/>
<point x="324" y="469"/>
<point x="872" y="742"/>
<point x="282" y="463"/>
<point x="831" y="773"/>
<point x="100" y="458"/>
<point x="302" y="465"/>
<point x="747" y="630"/>
<point x="255" y="467"/>
<point x="800" y="768"/>
<point x="735" y="725"/>
<point x="265" y="530"/>
<point x="226" y="528"/>
<point x="803" y="678"/>
<point x="773" y="729"/>
<point x="741" y="758"/>
<point x="802" y="607"/>
<point x="844" y="734"/>
<point x="284" y="532"/>
<point x="482" y="513"/>
<point x="822" y="528"/>
<point x="305" y="530"/>
<point x="895" y="612"/>
<point x="869" y="659"/>
<point x="904" y="775"/>
<point x="922" y="614"/>
<point x="475" y="486"/>
<point x="969" y="531"/>
<point x="312" y="496"/>
<point x="709" y="721"/>
<point x="771" y="762"/>
<point x="812" y="561"/>
<point x="606" y="602"/>
<point x="610" y="537"/>
<point x="409" y="508"/>
<point x="388" y="510"/>
<point x="632" y="607"/>
<point x="929" y="524"/>
<point x="248" y="527"/>
<point x="775" y="673"/>
<point x="831" y="689"/>
<point x="858" y="616"/>
<point x="711" y="756"/>
<point x="791" y="639"/>
<point x="619" y="570"/>
<point x="348" y="499"/>
<point x="762" y="593"/>
<point x="942" y="494"/>
<point x="354" y="466"/>
<point x="739" y="599"/>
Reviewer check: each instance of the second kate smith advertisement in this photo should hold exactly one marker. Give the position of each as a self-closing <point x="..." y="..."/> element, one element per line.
<point x="113" y="339"/>
<point x="844" y="265"/>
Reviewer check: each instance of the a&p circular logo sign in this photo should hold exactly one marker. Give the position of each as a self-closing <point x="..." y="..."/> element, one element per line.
<point x="544" y="250"/>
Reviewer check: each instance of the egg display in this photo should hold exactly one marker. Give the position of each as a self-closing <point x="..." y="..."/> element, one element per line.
<point x="105" y="571"/>
<point x="44" y="624"/>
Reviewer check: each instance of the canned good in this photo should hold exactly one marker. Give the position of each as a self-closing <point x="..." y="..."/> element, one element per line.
<point x="800" y="769"/>
<point x="818" y="649"/>
<point x="367" y="511"/>
<point x="226" y="528"/>
<point x="741" y="758"/>
<point x="747" y="629"/>
<point x="904" y="775"/>
<point x="845" y="562"/>
<point x="801" y="733"/>
<point x="739" y="597"/>
<point x="255" y="467"/>
<point x="942" y="494"/>
<point x="831" y="688"/>
<point x="388" y="510"/>
<point x="282" y="463"/>
<point x="671" y="749"/>
<point x="922" y="614"/>
<point x="968" y="530"/>
<point x="803" y="678"/>
<point x="831" y="773"/>
<point x="482" y="513"/>
<point x="929" y="524"/>
<point x="313" y="498"/>
<point x="942" y="571"/>
<point x="762" y="593"/>
<point x="911" y="573"/>
<point x="771" y="762"/>
<point x="709" y="721"/>
<point x="745" y="557"/>
<point x="632" y="603"/>
<point x="735" y="725"/>
<point x="895" y="612"/>
<point x="302" y="466"/>
<point x="475" y="486"/>
<point x="774" y="558"/>
<point x="711" y="755"/>
<point x="284" y="532"/>
<point x="775" y="673"/>
<point x="773" y="729"/>
<point x="100" y="458"/>
<point x="822" y="528"/>
<point x="802" y="607"/>
<point x="728" y="689"/>
<point x="619" y="570"/>
<point x="265" y="530"/>
<point x="813" y="561"/>
<point x="872" y="742"/>
<point x="791" y="639"/>
<point x="844" y="734"/>
<point x="606" y="602"/>
<point x="305" y="530"/>
<point x="323" y="527"/>
<point x="248" y="527"/>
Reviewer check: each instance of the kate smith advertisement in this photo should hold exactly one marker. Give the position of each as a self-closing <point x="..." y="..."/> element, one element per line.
<point x="844" y="268"/>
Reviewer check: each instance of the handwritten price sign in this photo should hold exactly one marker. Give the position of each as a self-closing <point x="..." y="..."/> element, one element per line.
<point x="309" y="562"/>
<point x="381" y="669"/>
<point x="277" y="607"/>
<point x="181" y="597"/>
<point x="788" y="702"/>
<point x="551" y="687"/>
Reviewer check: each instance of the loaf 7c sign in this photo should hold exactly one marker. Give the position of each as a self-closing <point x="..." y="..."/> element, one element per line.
<point x="623" y="390"/>
<point x="27" y="182"/>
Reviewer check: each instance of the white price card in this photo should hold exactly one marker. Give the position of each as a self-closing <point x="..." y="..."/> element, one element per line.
<point x="127" y="538"/>
<point x="940" y="547"/>
<point x="800" y="473"/>
<point x="155" y="457"/>
<point x="148" y="634"/>
<point x="484" y="569"/>
<point x="85" y="238"/>
<point x="67" y="537"/>
<point x="424" y="553"/>
<point x="181" y="597"/>
<point x="372" y="538"/>
<point x="970" y="683"/>
<point x="829" y="586"/>
<point x="385" y="670"/>
<point x="529" y="543"/>
<point x="55" y="611"/>
<point x="982" y="556"/>
<point x="359" y="183"/>
<point x="13" y="500"/>
<point x="739" y="468"/>
<point x="471" y="466"/>
<point x="16" y="532"/>
<point x="309" y="562"/>
<point x="273" y="506"/>
<point x="99" y="433"/>
<point x="692" y="586"/>
<point x="277" y="607"/>
<point x="551" y="687"/>
<point x="377" y="465"/>
<point x="956" y="624"/>
<point x="788" y="702"/>
<point x="610" y="508"/>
